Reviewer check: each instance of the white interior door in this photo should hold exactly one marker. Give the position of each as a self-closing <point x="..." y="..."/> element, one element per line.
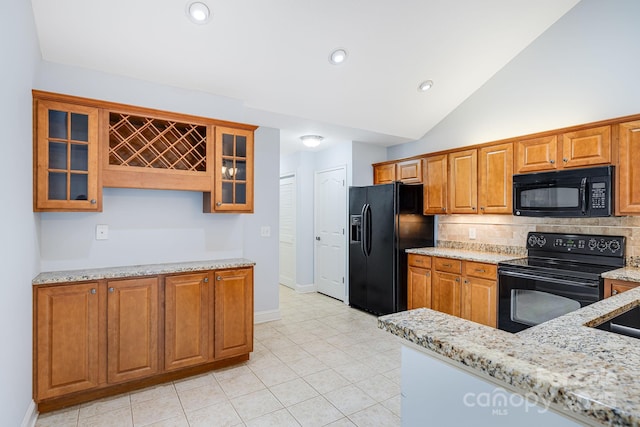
<point x="288" y="231"/>
<point x="330" y="209"/>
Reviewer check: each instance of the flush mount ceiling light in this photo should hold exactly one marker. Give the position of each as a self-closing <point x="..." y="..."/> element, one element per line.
<point x="311" y="140"/>
<point x="338" y="56"/>
<point x="198" y="12"/>
<point x="425" y="85"/>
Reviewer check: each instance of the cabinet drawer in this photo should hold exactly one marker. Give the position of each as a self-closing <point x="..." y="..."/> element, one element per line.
<point x="422" y="261"/>
<point x="447" y="264"/>
<point x="480" y="270"/>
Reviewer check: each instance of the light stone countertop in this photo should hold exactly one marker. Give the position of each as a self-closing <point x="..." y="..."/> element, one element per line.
<point x="591" y="374"/>
<point x="137" y="270"/>
<point x="462" y="254"/>
<point x="629" y="274"/>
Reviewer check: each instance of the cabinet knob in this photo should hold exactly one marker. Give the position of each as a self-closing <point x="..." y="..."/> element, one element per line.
<point x="614" y="292"/>
<point x="552" y="161"/>
<point x="111" y="290"/>
<point x="93" y="201"/>
<point x="444" y="209"/>
<point x="481" y="208"/>
<point x="206" y="280"/>
<point x="428" y="274"/>
<point x="218" y="278"/>
<point x="565" y="160"/>
<point x="218" y="203"/>
<point x="458" y="279"/>
<point x="473" y="208"/>
<point x="466" y="282"/>
<point x="93" y="291"/>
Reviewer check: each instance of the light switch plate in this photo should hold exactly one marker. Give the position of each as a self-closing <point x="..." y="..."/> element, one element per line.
<point x="102" y="232"/>
<point x="265" y="231"/>
<point x="472" y="233"/>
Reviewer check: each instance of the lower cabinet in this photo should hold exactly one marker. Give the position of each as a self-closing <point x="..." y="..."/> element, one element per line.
<point x="615" y="287"/>
<point x="466" y="289"/>
<point x="98" y="338"/>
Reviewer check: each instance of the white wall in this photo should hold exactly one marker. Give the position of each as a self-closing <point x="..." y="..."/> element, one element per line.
<point x="364" y="155"/>
<point x="20" y="55"/>
<point x="583" y="69"/>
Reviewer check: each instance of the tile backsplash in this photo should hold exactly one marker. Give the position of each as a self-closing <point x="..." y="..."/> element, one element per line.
<point x="508" y="233"/>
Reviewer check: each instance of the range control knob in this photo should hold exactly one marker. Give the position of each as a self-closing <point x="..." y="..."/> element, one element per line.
<point x="602" y="245"/>
<point x="542" y="241"/>
<point x="593" y="244"/>
<point x="614" y="246"/>
<point x="532" y="240"/>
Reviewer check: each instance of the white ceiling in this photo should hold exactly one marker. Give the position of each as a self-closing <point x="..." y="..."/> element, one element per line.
<point x="273" y="55"/>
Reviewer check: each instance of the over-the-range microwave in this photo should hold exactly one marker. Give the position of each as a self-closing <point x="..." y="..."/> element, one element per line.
<point x="571" y="193"/>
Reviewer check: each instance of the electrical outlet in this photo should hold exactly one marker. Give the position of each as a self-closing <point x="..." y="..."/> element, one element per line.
<point x="102" y="232"/>
<point x="265" y="231"/>
<point x="472" y="233"/>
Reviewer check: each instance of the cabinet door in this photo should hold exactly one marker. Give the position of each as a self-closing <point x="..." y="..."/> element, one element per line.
<point x="186" y="330"/>
<point x="445" y="293"/>
<point x="233" y="308"/>
<point x="495" y="179"/>
<point x="628" y="172"/>
<point x="434" y="184"/>
<point x="614" y="287"/>
<point x="586" y="147"/>
<point x="463" y="182"/>
<point x="66" y="339"/>
<point x="233" y="173"/>
<point x="479" y="301"/>
<point x="132" y="329"/>
<point x="66" y="156"/>
<point x="537" y="154"/>
<point x="409" y="172"/>
<point x="384" y="174"/>
<point x="418" y="288"/>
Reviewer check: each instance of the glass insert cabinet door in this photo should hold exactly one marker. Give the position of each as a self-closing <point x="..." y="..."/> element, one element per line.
<point x="233" y="175"/>
<point x="66" y="138"/>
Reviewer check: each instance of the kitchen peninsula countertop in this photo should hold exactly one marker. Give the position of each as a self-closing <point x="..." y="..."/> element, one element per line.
<point x="629" y="274"/>
<point x="137" y="270"/>
<point x="463" y="254"/>
<point x="585" y="372"/>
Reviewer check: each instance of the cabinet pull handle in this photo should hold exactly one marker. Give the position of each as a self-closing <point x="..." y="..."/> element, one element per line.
<point x="614" y="292"/>
<point x="93" y="201"/>
<point x="218" y="278"/>
<point x="111" y="290"/>
<point x="206" y="280"/>
<point x="480" y="270"/>
<point x="93" y="291"/>
<point x="552" y="161"/>
<point x="446" y="265"/>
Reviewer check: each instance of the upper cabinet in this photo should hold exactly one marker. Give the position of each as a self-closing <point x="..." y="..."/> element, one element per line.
<point x="495" y="179"/>
<point x="408" y="172"/>
<point x="66" y="175"/>
<point x="82" y="145"/>
<point x="384" y="174"/>
<point x="463" y="189"/>
<point x="586" y="147"/>
<point x="434" y="179"/>
<point x="628" y="175"/>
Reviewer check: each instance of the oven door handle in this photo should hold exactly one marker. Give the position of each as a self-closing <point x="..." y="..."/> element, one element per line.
<point x="545" y="278"/>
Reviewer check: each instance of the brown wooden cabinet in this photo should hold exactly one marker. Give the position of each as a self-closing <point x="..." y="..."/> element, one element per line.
<point x="187" y="320"/>
<point x="418" y="281"/>
<point x="434" y="183"/>
<point x="479" y="293"/>
<point x="410" y="171"/>
<point x="132" y="329"/>
<point x="233" y="310"/>
<point x="384" y="173"/>
<point x="66" y="339"/>
<point x="463" y="184"/>
<point x="628" y="171"/>
<point x="66" y="171"/>
<point x="495" y="179"/>
<point x="580" y="148"/>
<point x="614" y="287"/>
<point x="446" y="285"/>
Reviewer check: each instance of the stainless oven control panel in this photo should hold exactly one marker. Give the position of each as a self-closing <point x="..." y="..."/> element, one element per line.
<point x="577" y="243"/>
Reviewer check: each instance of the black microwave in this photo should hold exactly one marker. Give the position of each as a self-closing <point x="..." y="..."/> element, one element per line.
<point x="571" y="193"/>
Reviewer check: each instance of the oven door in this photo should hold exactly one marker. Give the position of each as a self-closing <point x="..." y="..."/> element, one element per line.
<point x="528" y="299"/>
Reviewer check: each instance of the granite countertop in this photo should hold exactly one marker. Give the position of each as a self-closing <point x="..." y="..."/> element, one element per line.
<point x="137" y="270"/>
<point x="629" y="274"/>
<point x="588" y="373"/>
<point x="463" y="254"/>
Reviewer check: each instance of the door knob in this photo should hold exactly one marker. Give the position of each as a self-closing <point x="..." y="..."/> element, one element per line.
<point x="318" y="238"/>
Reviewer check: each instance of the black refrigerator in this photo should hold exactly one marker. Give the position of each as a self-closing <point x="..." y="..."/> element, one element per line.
<point x="384" y="220"/>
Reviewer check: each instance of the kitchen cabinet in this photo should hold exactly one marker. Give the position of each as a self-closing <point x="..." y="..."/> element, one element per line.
<point x="233" y="172"/>
<point x="446" y="285"/>
<point x="435" y="175"/>
<point x="65" y="150"/>
<point x="495" y="182"/>
<point x="132" y="329"/>
<point x="628" y="171"/>
<point x="418" y="281"/>
<point x="463" y="185"/>
<point x="479" y="293"/>
<point x="614" y="287"/>
<point x="384" y="173"/>
<point x="66" y="340"/>
<point x="580" y="148"/>
<point x="187" y="307"/>
<point x="233" y="311"/>
<point x="410" y="171"/>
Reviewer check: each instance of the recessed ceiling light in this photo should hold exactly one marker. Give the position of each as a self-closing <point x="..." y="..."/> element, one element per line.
<point x="338" y="56"/>
<point x="198" y="12"/>
<point x="425" y="85"/>
<point x="311" y="140"/>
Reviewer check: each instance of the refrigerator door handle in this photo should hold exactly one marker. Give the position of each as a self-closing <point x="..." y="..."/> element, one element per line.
<point x="368" y="229"/>
<point x="363" y="225"/>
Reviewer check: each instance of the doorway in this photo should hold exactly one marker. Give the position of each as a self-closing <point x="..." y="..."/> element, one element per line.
<point x="287" y="231"/>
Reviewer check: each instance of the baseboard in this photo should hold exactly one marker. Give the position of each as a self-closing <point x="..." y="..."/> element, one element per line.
<point x="266" y="316"/>
<point x="31" y="416"/>
<point x="305" y="289"/>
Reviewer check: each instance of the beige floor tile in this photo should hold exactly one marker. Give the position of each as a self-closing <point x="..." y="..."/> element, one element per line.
<point x="264" y="359"/>
<point x="109" y="404"/>
<point x="196" y="398"/>
<point x="62" y="418"/>
<point x="281" y="418"/>
<point x="119" y="417"/>
<point x="354" y="372"/>
<point x="153" y="393"/>
<point x="290" y="354"/>
<point x="308" y="366"/>
<point x="394" y="404"/>
<point x="319" y="346"/>
<point x="334" y="358"/>
<point x="178" y="421"/>
<point x="326" y="381"/>
<point x="256" y="404"/>
<point x="315" y="412"/>
<point x="349" y="399"/>
<point x="219" y="415"/>
<point x="293" y="392"/>
<point x="277" y="342"/>
<point x="241" y="384"/>
<point x="342" y="422"/>
<point x="155" y="410"/>
<point x="275" y="375"/>
<point x="375" y="416"/>
<point x="194" y="382"/>
<point x="379" y="387"/>
<point x="231" y="372"/>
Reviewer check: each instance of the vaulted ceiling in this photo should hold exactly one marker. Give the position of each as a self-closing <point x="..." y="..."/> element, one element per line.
<point x="273" y="55"/>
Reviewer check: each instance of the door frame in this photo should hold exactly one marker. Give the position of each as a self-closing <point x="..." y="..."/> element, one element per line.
<point x="295" y="230"/>
<point x="344" y="216"/>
